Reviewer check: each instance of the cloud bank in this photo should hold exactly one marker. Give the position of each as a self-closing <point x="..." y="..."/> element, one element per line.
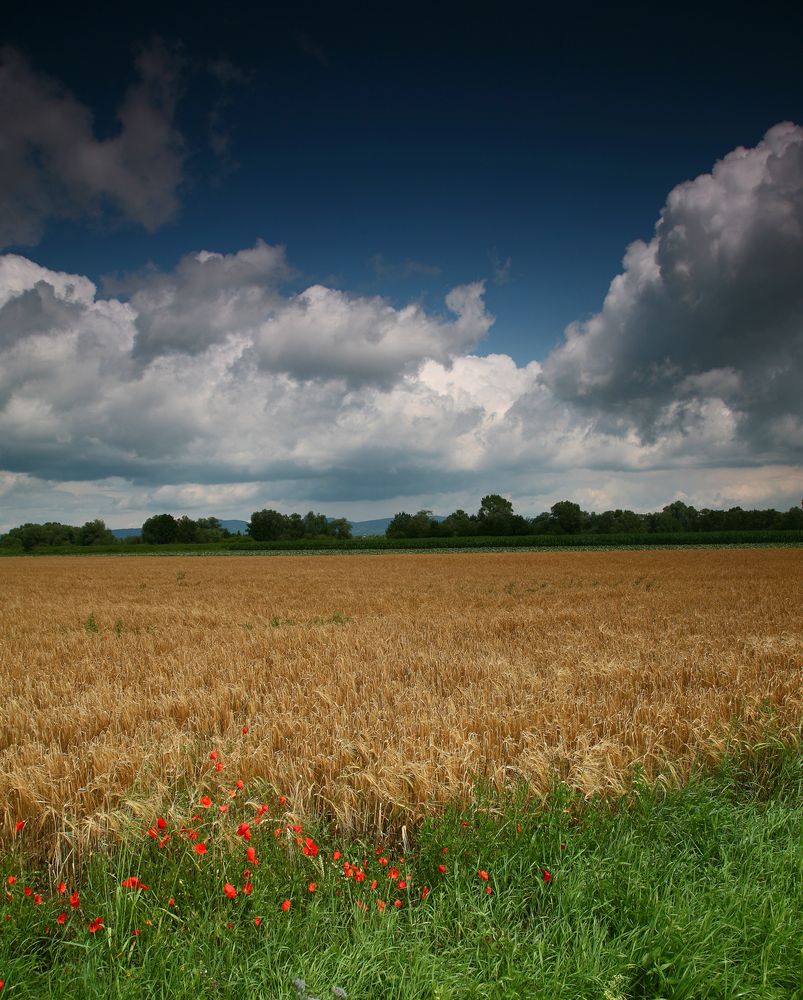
<point x="213" y="389"/>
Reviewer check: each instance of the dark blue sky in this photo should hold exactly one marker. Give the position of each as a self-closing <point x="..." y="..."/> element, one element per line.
<point x="403" y="152"/>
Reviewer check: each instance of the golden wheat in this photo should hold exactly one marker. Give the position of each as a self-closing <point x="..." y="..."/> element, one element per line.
<point x="377" y="687"/>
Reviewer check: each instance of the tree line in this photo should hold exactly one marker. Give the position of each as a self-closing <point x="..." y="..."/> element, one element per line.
<point x="165" y="529"/>
<point x="497" y="517"/>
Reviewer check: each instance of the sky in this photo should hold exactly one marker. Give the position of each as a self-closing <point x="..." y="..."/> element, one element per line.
<point x="363" y="261"/>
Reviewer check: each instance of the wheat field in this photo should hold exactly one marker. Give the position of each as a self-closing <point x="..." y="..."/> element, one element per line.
<point x="375" y="688"/>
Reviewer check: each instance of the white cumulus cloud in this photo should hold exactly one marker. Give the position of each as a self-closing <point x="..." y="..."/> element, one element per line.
<point x="702" y="332"/>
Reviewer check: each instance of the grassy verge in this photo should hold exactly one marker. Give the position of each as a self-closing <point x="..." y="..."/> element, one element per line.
<point x="373" y="543"/>
<point x="689" y="892"/>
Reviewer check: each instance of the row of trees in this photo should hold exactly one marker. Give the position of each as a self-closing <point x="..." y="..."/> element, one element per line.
<point x="29" y="536"/>
<point x="165" y="529"/>
<point x="497" y="517"/>
<point x="264" y="526"/>
<point x="271" y="526"/>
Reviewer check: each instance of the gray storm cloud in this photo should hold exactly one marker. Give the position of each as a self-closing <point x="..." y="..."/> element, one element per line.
<point x="53" y="166"/>
<point x="706" y="320"/>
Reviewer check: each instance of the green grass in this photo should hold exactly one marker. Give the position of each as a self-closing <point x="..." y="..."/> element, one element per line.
<point x="676" y="893"/>
<point x="379" y="543"/>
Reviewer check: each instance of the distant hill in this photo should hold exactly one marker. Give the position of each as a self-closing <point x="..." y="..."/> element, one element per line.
<point x="235" y="526"/>
<point x="377" y="527"/>
<point x="358" y="528"/>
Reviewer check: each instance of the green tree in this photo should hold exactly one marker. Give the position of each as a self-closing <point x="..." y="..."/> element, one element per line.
<point x="161" y="529"/>
<point x="400" y="526"/>
<point x="211" y="530"/>
<point x="267" y="525"/>
<point x="677" y="516"/>
<point x="187" y="529"/>
<point x="95" y="533"/>
<point x="340" y="527"/>
<point x="567" y="517"/>
<point x="459" y="524"/>
<point x="496" y="517"/>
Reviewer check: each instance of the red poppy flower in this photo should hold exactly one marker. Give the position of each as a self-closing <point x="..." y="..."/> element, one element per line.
<point x="75" y="902"/>
<point x="224" y="808"/>
<point x="200" y="848"/>
<point x="286" y="905"/>
<point x="282" y="800"/>
<point x="488" y="889"/>
<point x="171" y="902"/>
<point x="397" y="903"/>
<point x="381" y="904"/>
<point x="19" y="825"/>
<point x="95" y="925"/>
<point x="336" y="856"/>
<point x="27" y="890"/>
<point x="11" y="879"/>
<point x="161" y="822"/>
<point x="245" y="730"/>
<point x="483" y="875"/>
<point x="164" y="840"/>
<point x="248" y="888"/>
<point x="37" y="898"/>
<point x="297" y="828"/>
<point x="62" y="887"/>
<point x="383" y="861"/>
<point x="393" y="873"/>
<point x="310" y="847"/>
<point x="441" y="869"/>
<point x="213" y="755"/>
<point x="257" y="921"/>
<point x="547" y="875"/>
<point x="240" y="783"/>
<point x="130" y="883"/>
<point x="218" y="766"/>
<point x="424" y="892"/>
<point x="61" y="918"/>
<point x="312" y="887"/>
<point x="205" y="801"/>
<point x="230" y="891"/>
<point x="373" y="884"/>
